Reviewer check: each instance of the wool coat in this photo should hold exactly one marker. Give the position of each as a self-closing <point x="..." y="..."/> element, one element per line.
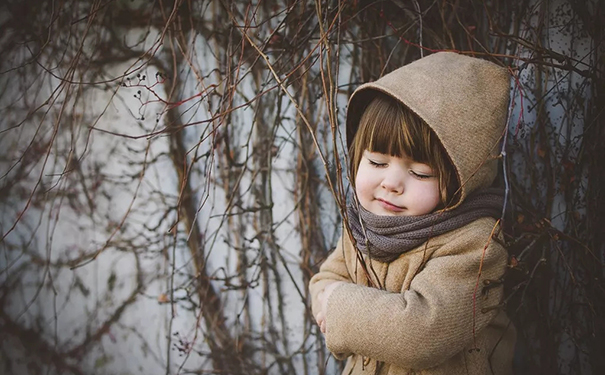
<point x="436" y="309"/>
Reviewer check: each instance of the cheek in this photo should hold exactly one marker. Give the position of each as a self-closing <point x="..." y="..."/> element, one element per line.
<point x="431" y="196"/>
<point x="363" y="184"/>
<point x="360" y="186"/>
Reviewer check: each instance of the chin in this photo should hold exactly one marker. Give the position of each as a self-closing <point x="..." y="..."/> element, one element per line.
<point x="398" y="214"/>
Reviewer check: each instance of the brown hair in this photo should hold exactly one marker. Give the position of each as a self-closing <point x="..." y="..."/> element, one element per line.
<point x="389" y="127"/>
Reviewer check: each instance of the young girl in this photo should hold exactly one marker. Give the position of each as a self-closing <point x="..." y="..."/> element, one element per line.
<point x="415" y="286"/>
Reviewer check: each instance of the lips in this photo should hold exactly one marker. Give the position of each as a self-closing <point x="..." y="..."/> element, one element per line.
<point x="390" y="206"/>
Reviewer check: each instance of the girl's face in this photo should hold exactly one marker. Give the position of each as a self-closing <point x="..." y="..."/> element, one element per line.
<point x="393" y="186"/>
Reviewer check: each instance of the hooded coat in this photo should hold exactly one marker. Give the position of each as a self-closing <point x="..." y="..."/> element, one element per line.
<point x="437" y="308"/>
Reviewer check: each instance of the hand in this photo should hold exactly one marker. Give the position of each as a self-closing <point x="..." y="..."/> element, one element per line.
<point x="322" y="299"/>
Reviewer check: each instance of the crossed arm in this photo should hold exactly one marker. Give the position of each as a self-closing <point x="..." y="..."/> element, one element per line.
<point x="435" y="318"/>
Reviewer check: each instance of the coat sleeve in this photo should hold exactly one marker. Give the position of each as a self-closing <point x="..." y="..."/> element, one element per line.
<point x="334" y="268"/>
<point x="430" y="322"/>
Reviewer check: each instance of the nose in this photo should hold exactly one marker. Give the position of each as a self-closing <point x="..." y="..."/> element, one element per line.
<point x="393" y="182"/>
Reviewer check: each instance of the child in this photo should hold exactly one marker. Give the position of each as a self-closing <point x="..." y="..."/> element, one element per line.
<point x="423" y="293"/>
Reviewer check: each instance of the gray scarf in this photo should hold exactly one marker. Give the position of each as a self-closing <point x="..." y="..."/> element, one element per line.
<point x="391" y="236"/>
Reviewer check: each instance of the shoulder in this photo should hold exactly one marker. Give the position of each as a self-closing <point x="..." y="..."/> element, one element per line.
<point x="481" y="226"/>
<point x="476" y="231"/>
<point x="481" y="236"/>
<point x="473" y="248"/>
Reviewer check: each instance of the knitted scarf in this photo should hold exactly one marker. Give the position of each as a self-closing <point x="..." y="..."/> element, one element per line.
<point x="391" y="236"/>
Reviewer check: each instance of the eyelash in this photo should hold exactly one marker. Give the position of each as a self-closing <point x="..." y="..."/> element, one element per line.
<point x="373" y="163"/>
<point x="420" y="176"/>
<point x="417" y="175"/>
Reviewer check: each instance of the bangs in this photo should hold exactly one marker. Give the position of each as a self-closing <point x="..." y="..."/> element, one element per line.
<point x="389" y="128"/>
<point x="387" y="135"/>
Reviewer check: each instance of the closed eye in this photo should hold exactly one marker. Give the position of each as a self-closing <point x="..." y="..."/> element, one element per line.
<point x="421" y="176"/>
<point x="376" y="164"/>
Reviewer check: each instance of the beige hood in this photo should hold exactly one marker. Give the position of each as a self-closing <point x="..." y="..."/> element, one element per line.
<point x="463" y="99"/>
